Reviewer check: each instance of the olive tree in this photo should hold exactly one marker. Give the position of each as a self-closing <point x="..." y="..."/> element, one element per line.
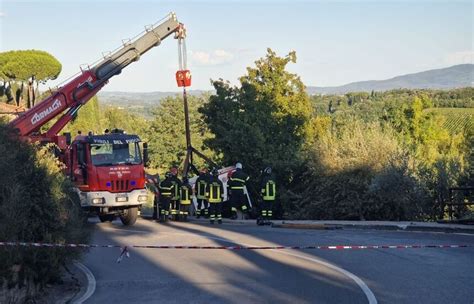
<point x="30" y="67"/>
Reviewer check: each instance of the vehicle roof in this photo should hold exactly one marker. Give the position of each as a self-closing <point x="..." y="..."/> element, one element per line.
<point x="111" y="138"/>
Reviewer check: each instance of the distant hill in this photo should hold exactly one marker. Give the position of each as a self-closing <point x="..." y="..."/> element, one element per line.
<point x="448" y="78"/>
<point x="145" y="99"/>
<point x="140" y="103"/>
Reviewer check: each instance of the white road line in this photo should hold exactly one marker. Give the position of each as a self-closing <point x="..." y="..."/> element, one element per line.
<point x="126" y="230"/>
<point x="365" y="289"/>
<point x="368" y="293"/>
<point x="91" y="283"/>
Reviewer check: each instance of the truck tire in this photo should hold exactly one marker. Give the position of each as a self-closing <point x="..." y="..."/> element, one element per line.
<point x="106" y="217"/>
<point x="129" y="216"/>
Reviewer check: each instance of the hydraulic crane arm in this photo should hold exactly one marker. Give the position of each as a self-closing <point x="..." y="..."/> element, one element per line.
<point x="82" y="88"/>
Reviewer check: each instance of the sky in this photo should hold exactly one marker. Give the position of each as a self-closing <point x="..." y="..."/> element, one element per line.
<point x="336" y="42"/>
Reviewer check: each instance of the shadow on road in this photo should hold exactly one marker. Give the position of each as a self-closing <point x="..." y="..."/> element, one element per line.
<point x="394" y="275"/>
<point x="137" y="279"/>
<point x="276" y="277"/>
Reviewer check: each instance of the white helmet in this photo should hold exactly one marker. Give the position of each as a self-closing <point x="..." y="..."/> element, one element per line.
<point x="238" y="166"/>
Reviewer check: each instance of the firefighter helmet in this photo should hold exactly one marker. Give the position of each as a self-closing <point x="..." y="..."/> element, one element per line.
<point x="174" y="171"/>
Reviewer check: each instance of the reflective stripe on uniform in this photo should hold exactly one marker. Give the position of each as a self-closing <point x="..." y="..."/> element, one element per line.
<point x="238" y="179"/>
<point x="269" y="194"/>
<point x="201" y="187"/>
<point x="176" y="191"/>
<point x="215" y="193"/>
<point x="185" y="199"/>
<point x="165" y="191"/>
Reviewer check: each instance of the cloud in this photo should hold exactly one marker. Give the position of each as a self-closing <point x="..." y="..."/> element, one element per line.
<point x="2" y="14"/>
<point x="460" y="57"/>
<point x="211" y="58"/>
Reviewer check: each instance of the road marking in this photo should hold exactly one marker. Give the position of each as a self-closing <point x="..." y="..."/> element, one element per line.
<point x="127" y="230"/>
<point x="91" y="283"/>
<point x="368" y="293"/>
<point x="365" y="289"/>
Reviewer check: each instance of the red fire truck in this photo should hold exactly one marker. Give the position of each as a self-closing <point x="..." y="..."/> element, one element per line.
<point x="108" y="170"/>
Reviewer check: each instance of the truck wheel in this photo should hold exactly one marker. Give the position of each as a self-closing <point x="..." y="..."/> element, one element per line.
<point x="129" y="216"/>
<point x="106" y="217"/>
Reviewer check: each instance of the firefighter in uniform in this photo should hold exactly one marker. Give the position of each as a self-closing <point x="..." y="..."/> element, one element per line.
<point x="268" y="191"/>
<point x="215" y="193"/>
<point x="175" y="197"/>
<point x="235" y="185"/>
<point x="185" y="200"/>
<point x="153" y="184"/>
<point x="201" y="184"/>
<point x="166" y="191"/>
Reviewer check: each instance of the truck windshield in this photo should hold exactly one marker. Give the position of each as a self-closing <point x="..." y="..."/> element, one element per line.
<point x="115" y="154"/>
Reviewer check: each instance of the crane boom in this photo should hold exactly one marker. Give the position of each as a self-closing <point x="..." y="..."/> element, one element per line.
<point x="108" y="170"/>
<point x="68" y="99"/>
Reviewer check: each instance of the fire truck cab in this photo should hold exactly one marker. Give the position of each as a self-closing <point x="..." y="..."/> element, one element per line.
<point x="108" y="171"/>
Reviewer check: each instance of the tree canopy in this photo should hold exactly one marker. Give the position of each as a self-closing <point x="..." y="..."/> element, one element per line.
<point x="30" y="67"/>
<point x="264" y="121"/>
<point x="166" y="134"/>
<point x="21" y="65"/>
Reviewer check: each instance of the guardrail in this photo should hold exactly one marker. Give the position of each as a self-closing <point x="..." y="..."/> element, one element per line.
<point x="459" y="196"/>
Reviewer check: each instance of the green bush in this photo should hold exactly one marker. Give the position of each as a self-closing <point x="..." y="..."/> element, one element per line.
<point x="396" y="194"/>
<point x="359" y="171"/>
<point x="37" y="204"/>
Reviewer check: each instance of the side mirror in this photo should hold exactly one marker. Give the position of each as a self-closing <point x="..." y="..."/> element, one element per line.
<point x="80" y="154"/>
<point x="145" y="154"/>
<point x="68" y="138"/>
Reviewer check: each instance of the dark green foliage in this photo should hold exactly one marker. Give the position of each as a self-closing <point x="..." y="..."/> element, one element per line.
<point x="94" y="118"/>
<point x="395" y="194"/>
<point x="118" y="118"/>
<point x="410" y="182"/>
<point x="88" y="119"/>
<point x="37" y="204"/>
<point x="343" y="168"/>
<point x="371" y="106"/>
<point x="264" y="121"/>
<point x="21" y="65"/>
<point x="377" y="155"/>
<point x="27" y="69"/>
<point x="166" y="133"/>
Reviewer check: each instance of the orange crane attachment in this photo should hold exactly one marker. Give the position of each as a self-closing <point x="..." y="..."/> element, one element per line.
<point x="183" y="75"/>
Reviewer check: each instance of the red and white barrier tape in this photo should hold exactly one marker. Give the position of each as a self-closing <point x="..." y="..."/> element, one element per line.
<point x="125" y="253"/>
<point x="329" y="247"/>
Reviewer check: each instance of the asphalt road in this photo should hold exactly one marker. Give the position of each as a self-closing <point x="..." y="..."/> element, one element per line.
<point x="277" y="276"/>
